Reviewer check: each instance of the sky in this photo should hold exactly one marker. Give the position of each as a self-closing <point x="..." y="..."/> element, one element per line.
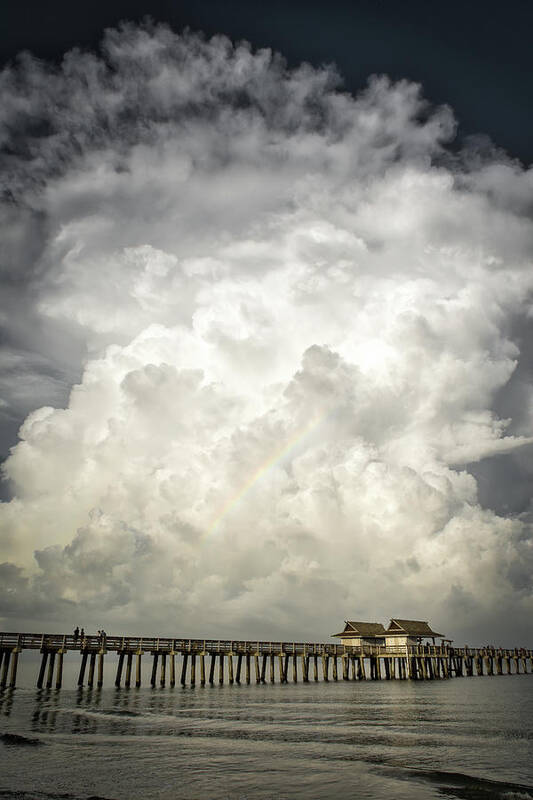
<point x="266" y="360"/>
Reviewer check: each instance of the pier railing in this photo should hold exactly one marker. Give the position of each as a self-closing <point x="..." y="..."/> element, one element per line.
<point x="397" y="661"/>
<point x="40" y="641"/>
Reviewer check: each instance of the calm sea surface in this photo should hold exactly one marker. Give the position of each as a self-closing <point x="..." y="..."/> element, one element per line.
<point x="465" y="737"/>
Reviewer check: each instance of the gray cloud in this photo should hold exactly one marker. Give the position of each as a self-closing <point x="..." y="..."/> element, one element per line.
<point x="291" y="317"/>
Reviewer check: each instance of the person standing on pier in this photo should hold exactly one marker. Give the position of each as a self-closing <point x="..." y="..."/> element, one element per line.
<point x="76" y="634"/>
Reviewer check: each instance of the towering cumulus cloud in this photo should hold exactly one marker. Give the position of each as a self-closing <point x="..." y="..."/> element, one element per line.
<point x="291" y="321"/>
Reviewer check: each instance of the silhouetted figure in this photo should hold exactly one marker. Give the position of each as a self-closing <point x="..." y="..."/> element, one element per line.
<point x="76" y="634"/>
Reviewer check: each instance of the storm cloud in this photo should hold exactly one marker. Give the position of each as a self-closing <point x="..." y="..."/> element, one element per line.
<point x="268" y="343"/>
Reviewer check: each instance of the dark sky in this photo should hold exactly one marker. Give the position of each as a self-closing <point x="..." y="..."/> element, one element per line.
<point x="476" y="56"/>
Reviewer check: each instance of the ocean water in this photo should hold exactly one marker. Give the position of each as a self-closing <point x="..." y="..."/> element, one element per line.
<point x="464" y="738"/>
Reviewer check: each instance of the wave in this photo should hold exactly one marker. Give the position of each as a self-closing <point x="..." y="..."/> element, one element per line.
<point x="15" y="739"/>
<point x="20" y="794"/>
<point x="469" y="787"/>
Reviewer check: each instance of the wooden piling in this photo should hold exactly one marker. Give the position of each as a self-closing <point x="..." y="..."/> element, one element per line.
<point x="172" y="669"/>
<point x="335" y="673"/>
<point x="202" y="669"/>
<point x="294" y="669"/>
<point x="14" y="665"/>
<point x="221" y="668"/>
<point x="257" y="668"/>
<point x="100" y="679"/>
<point x="247" y="665"/>
<point x="263" y="668"/>
<point x="230" y="668"/>
<point x="345" y="667"/>
<point x="42" y="670"/>
<point x="281" y="679"/>
<point x="129" y="662"/>
<point x="185" y="658"/>
<point x="163" y="675"/>
<point x="138" y="669"/>
<point x="193" y="670"/>
<point x="153" y="677"/>
<point x="59" y="668"/>
<point x="51" y="663"/>
<point x="120" y="664"/>
<point x="212" y="669"/>
<point x="5" y="668"/>
<point x="325" y="667"/>
<point x="305" y="668"/>
<point x="272" y="668"/>
<point x="239" y="665"/>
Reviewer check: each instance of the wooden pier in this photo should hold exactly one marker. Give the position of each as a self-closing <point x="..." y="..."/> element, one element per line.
<point x="201" y="661"/>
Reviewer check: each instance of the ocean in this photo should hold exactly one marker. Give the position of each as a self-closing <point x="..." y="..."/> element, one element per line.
<point x="466" y="738"/>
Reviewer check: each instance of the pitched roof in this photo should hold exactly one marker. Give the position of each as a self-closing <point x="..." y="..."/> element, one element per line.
<point x="412" y="627"/>
<point x="353" y="629"/>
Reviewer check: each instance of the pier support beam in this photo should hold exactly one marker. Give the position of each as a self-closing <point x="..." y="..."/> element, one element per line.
<point x="50" y="675"/>
<point x="185" y="658"/>
<point x="129" y="662"/>
<point x="120" y="664"/>
<point x="202" y="669"/>
<point x="100" y="678"/>
<point x="239" y="666"/>
<point x="212" y="669"/>
<point x="81" y="674"/>
<point x="172" y="669"/>
<point x="221" y="668"/>
<point x="138" y="669"/>
<point x="5" y="668"/>
<point x="163" y="675"/>
<point x="153" y="677"/>
<point x="345" y="667"/>
<point x="42" y="669"/>
<point x="59" y="668"/>
<point x="14" y="665"/>
<point x="193" y="669"/>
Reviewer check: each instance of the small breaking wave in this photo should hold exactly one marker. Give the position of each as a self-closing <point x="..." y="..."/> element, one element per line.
<point x="469" y="787"/>
<point x="20" y="794"/>
<point x="16" y="740"/>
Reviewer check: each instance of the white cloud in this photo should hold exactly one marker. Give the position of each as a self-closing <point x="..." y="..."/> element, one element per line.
<point x="298" y="313"/>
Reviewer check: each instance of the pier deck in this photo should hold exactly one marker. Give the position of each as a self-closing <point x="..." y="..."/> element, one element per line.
<point x="244" y="660"/>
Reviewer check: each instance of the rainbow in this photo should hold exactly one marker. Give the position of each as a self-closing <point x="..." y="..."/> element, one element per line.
<point x="280" y="453"/>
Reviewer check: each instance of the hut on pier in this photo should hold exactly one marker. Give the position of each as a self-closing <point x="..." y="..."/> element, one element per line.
<point x="408" y="631"/>
<point x="356" y="634"/>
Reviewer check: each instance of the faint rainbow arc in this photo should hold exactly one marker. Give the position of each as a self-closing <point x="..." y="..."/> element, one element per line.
<point x="278" y="454"/>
